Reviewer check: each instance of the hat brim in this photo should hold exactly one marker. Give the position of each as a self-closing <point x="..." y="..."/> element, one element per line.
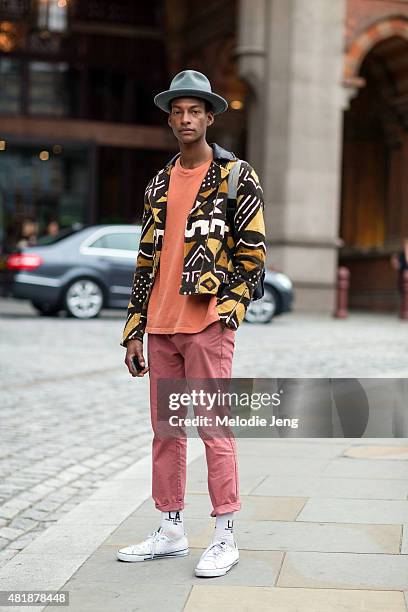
<point x="163" y="99"/>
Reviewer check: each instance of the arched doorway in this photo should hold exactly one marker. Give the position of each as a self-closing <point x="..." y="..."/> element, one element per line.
<point x="374" y="195"/>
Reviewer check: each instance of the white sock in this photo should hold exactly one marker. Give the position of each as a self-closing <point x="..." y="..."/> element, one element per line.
<point x="172" y="524"/>
<point x="224" y="528"/>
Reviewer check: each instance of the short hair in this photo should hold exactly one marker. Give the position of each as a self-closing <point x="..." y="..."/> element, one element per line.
<point x="208" y="106"/>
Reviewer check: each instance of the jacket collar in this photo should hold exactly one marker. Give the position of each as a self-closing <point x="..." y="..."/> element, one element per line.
<point x="217" y="172"/>
<point x="219" y="153"/>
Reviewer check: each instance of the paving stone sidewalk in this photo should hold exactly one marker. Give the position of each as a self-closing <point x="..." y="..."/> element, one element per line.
<point x="73" y="420"/>
<point x="71" y="416"/>
<point x="323" y="528"/>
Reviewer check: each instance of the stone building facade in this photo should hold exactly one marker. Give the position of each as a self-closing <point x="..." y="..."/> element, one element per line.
<point x="318" y="104"/>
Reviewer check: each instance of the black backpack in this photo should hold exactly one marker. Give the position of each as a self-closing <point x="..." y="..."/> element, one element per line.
<point x="231" y="206"/>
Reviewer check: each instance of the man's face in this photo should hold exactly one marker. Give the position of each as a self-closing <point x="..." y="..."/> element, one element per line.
<point x="189" y="120"/>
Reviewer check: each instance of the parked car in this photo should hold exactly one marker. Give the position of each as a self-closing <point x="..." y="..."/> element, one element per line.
<point x="92" y="268"/>
<point x="278" y="298"/>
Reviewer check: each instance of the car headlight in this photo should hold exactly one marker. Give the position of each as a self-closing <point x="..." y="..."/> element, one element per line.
<point x="283" y="280"/>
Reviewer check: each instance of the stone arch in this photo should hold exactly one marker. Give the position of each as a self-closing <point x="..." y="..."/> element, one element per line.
<point x="375" y="149"/>
<point x="366" y="40"/>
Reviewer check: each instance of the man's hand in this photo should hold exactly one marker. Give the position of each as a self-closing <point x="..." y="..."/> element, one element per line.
<point x="134" y="348"/>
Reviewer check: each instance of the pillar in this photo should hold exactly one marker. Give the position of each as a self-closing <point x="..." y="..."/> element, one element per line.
<point x="291" y="53"/>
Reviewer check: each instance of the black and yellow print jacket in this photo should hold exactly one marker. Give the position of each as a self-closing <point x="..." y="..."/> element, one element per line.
<point x="215" y="262"/>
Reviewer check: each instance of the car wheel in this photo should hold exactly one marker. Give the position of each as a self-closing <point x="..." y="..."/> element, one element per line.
<point x="83" y="299"/>
<point x="46" y="309"/>
<point x="263" y="310"/>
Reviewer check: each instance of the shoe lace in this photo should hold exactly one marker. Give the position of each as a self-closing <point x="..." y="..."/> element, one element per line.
<point x="155" y="536"/>
<point x="215" y="549"/>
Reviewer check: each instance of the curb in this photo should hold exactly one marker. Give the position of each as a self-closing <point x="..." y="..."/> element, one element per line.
<point x="50" y="560"/>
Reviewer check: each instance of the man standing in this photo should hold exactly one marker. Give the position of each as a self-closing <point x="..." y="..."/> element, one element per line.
<point x="192" y="306"/>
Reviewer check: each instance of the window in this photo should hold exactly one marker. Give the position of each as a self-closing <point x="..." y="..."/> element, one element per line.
<point x="128" y="241"/>
<point x="10" y="86"/>
<point x="52" y="15"/>
<point x="64" y="233"/>
<point x="57" y="188"/>
<point x="100" y="243"/>
<point x="48" y="89"/>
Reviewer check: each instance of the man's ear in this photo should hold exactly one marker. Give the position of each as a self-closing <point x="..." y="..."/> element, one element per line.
<point x="210" y="119"/>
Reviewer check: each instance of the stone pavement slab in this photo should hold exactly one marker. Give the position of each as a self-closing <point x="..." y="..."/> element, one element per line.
<point x="368" y="468"/>
<point x="404" y="543"/>
<point x="129" y="597"/>
<point x="311" y="448"/>
<point x="284" y="466"/>
<point x="227" y="599"/>
<point x="328" y="487"/>
<point x="374" y="451"/>
<point x="382" y="511"/>
<point x="344" y="571"/>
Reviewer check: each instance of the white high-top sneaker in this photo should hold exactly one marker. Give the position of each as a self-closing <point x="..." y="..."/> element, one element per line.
<point x="217" y="559"/>
<point x="156" y="546"/>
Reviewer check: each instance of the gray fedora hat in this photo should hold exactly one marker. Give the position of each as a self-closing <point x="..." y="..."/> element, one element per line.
<point x="190" y="83"/>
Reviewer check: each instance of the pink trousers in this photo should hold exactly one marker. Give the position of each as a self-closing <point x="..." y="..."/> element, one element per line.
<point x="206" y="354"/>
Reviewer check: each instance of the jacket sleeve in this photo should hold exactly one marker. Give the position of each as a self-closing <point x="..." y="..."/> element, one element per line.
<point x="249" y="250"/>
<point x="136" y="317"/>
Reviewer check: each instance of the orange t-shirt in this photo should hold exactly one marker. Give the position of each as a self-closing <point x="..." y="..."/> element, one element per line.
<point x="168" y="311"/>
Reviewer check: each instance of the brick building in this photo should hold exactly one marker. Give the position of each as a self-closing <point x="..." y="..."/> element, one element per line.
<point x="317" y="104"/>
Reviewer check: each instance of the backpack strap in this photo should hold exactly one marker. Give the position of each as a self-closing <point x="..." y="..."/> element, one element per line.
<point x="233" y="177"/>
<point x="233" y="180"/>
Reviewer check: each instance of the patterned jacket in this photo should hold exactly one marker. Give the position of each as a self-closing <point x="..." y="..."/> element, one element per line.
<point x="215" y="262"/>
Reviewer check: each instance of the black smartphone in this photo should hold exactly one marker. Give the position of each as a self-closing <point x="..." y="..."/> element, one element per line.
<point x="136" y="364"/>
